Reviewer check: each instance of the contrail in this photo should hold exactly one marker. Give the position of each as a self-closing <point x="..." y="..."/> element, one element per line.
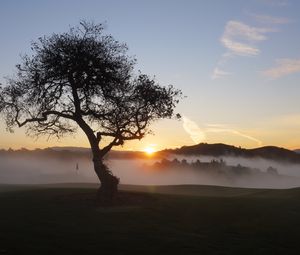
<point x="235" y="132"/>
<point x="196" y="134"/>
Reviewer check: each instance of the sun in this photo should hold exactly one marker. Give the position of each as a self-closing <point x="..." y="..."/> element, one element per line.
<point x="149" y="151"/>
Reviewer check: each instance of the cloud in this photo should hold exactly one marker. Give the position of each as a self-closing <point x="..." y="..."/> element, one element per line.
<point x="240" y="38"/>
<point x="218" y="129"/>
<point x="218" y="73"/>
<point x="241" y="49"/>
<point x="266" y="19"/>
<point x="196" y="133"/>
<point x="283" y="67"/>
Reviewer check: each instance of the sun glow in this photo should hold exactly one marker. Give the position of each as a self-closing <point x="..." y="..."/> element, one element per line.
<point x="149" y="151"/>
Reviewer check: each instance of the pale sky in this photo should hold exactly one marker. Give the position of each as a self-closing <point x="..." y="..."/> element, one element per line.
<point x="237" y="63"/>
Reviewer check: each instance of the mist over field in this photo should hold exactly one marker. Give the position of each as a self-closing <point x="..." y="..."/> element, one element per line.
<point x="34" y="170"/>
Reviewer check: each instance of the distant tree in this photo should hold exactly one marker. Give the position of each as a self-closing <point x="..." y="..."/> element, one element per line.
<point x="165" y="162"/>
<point x="84" y="78"/>
<point x="272" y="170"/>
<point x="184" y="162"/>
<point x="175" y="161"/>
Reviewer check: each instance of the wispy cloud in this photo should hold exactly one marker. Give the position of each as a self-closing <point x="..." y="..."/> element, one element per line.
<point x="283" y="67"/>
<point x="218" y="73"/>
<point x="270" y="20"/>
<point x="198" y="134"/>
<point x="234" y="132"/>
<point x="195" y="132"/>
<point x="241" y="39"/>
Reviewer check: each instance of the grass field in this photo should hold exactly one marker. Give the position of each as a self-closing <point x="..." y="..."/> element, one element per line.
<point x="63" y="219"/>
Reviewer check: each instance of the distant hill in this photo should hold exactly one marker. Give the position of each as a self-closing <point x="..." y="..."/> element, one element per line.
<point x="112" y="154"/>
<point x="70" y="148"/>
<point x="66" y="153"/>
<point x="219" y="149"/>
<point x="204" y="149"/>
<point x="297" y="151"/>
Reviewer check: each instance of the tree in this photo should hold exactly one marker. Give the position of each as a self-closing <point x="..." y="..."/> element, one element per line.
<point x="84" y="78"/>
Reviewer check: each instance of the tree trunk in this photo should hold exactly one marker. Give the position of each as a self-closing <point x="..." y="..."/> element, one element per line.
<point x="109" y="183"/>
<point x="107" y="192"/>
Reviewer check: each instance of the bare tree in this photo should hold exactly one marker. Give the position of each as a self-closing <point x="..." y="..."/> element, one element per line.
<point x="84" y="78"/>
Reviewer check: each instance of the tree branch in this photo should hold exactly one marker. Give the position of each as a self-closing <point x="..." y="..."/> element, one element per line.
<point x="43" y="118"/>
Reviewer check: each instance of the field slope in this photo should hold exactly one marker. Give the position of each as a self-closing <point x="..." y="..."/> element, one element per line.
<point x="63" y="219"/>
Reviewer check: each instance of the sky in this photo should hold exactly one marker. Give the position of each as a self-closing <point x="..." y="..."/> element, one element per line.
<point x="236" y="62"/>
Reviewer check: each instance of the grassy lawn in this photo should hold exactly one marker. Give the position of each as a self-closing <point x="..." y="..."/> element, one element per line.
<point x="167" y="220"/>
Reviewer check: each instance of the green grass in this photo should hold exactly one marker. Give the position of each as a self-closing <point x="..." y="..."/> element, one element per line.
<point x="63" y="219"/>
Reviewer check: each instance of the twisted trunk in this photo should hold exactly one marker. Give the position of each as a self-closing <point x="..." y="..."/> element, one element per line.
<point x="109" y="183"/>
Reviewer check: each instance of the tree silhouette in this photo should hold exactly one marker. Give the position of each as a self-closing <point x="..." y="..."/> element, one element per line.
<point x="84" y="78"/>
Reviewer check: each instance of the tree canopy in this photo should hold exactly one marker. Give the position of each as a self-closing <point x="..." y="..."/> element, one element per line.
<point x="84" y="78"/>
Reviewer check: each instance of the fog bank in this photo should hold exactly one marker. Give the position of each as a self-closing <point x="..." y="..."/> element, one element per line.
<point x="32" y="170"/>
